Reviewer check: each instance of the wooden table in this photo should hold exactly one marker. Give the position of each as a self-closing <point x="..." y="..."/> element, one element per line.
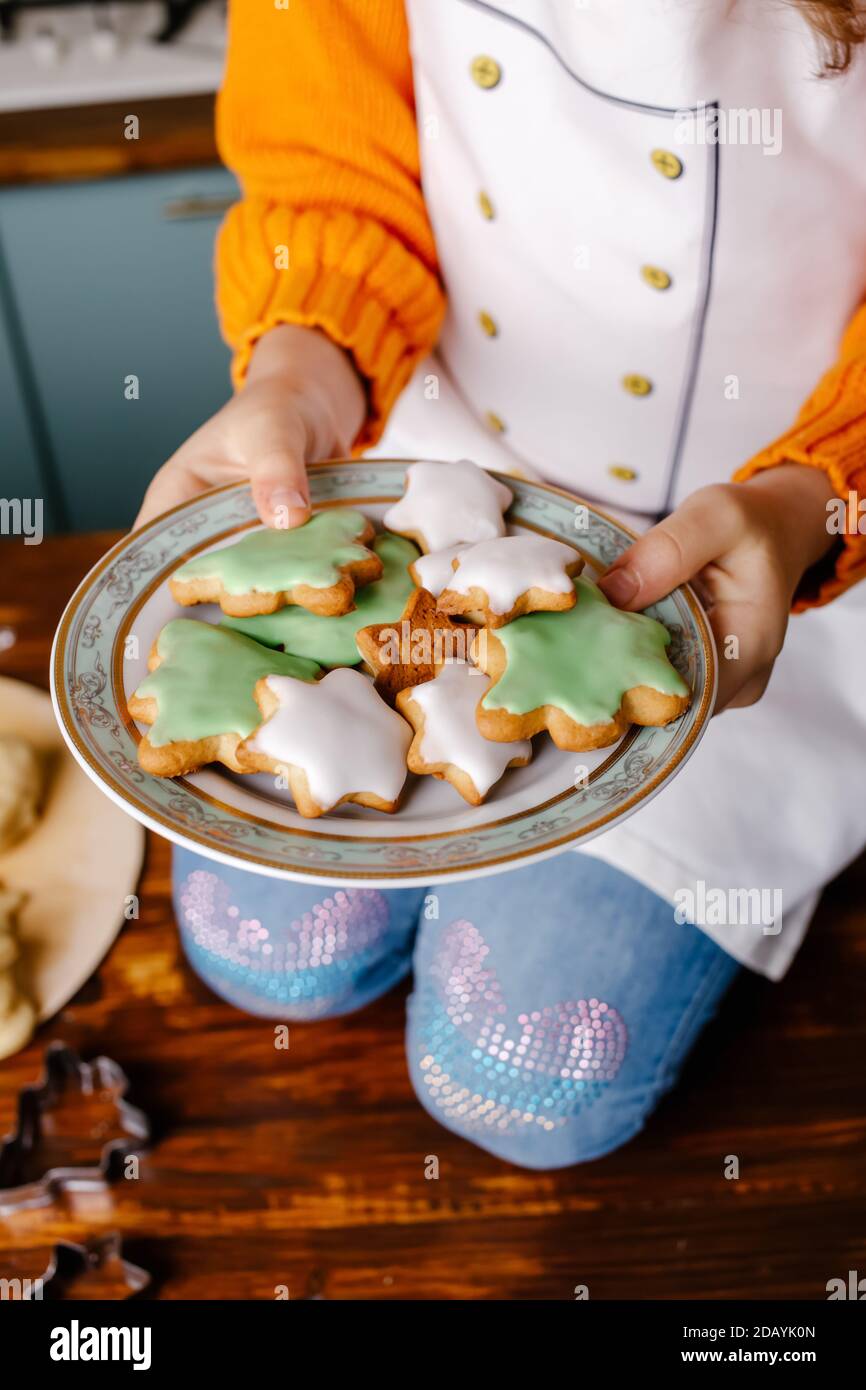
<point x="306" y="1168"/>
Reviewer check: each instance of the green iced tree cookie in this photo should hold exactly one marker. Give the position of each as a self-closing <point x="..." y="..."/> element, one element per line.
<point x="331" y="641"/>
<point x="592" y="667"/>
<point x="317" y="565"/>
<point x="203" y="686"/>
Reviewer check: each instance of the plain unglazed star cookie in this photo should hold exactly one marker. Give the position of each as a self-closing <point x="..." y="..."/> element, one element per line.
<point x="497" y="581"/>
<point x="446" y="503"/>
<point x="331" y="641"/>
<point x="22" y="781"/>
<point x="18" y="1017"/>
<point x="317" y="565"/>
<point x="584" y="675"/>
<point x="411" y="650"/>
<point x="447" y="742"/>
<point x="335" y="741"/>
<point x="199" y="698"/>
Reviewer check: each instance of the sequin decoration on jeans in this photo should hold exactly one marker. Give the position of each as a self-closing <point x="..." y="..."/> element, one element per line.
<point x="485" y="1064"/>
<point x="273" y="964"/>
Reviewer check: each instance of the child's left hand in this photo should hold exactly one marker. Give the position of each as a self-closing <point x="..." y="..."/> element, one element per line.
<point x="747" y="545"/>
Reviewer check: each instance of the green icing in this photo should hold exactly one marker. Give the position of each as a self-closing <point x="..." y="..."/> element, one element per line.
<point x="269" y="561"/>
<point x="331" y="641"/>
<point x="582" y="660"/>
<point x="204" y="683"/>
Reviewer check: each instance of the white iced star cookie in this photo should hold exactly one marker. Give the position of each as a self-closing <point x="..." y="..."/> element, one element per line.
<point x="433" y="571"/>
<point x="497" y="581"/>
<point x="334" y="741"/>
<point x="448" y="503"/>
<point x="447" y="742"/>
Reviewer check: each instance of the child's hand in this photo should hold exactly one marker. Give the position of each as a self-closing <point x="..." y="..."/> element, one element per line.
<point x="302" y="400"/>
<point x="748" y="545"/>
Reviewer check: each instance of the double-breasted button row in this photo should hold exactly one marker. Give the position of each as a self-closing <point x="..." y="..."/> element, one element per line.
<point x="670" y="166"/>
<point x="487" y="73"/>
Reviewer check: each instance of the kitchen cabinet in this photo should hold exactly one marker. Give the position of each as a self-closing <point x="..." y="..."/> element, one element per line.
<point x="21" y="468"/>
<point x="114" y="352"/>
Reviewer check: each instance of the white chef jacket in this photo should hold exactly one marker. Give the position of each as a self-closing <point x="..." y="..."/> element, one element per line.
<point x="651" y="222"/>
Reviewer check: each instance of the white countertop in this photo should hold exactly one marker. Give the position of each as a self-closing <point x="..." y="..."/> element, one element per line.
<point x="81" y="56"/>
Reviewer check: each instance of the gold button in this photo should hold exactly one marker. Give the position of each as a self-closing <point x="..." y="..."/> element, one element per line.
<point x="494" y="421"/>
<point x="486" y="71"/>
<point x="625" y="475"/>
<point x="654" y="276"/>
<point x="637" y="385"/>
<point x="667" y="163"/>
<point x="488" y="324"/>
<point x="487" y="209"/>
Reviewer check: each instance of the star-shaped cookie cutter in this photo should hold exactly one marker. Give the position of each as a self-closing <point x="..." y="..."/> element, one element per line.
<point x="63" y="1069"/>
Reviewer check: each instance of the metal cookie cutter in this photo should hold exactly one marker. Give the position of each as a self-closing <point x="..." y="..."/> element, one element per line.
<point x="24" y="1182"/>
<point x="99" y="1262"/>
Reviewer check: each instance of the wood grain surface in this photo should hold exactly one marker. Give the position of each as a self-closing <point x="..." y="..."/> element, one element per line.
<point x="87" y="142"/>
<point x="305" y="1168"/>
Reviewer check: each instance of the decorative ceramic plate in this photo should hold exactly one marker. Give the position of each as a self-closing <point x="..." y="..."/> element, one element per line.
<point x="560" y="799"/>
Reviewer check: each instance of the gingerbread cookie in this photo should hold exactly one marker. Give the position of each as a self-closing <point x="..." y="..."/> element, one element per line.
<point x="447" y="742"/>
<point x="317" y="565"/>
<point x="584" y="675"/>
<point x="199" y="697"/>
<point x="446" y="503"/>
<point x="411" y="650"/>
<point x="334" y="741"/>
<point x="497" y="581"/>
<point x="331" y="641"/>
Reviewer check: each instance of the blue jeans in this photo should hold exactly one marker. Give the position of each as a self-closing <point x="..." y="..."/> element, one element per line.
<point x="552" y="1007"/>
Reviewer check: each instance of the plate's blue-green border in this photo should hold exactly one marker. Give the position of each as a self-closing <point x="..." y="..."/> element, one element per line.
<point x="87" y="694"/>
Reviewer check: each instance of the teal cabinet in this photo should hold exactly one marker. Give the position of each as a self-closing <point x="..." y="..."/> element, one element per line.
<point x="21" y="459"/>
<point x="115" y="352"/>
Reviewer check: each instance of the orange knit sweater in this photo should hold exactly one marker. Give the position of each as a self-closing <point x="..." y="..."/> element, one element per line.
<point x="316" y="117"/>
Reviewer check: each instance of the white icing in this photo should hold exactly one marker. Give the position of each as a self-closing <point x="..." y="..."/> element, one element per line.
<point x="341" y="732"/>
<point x="505" y="568"/>
<point x="451" y="734"/>
<point x="435" y="571"/>
<point x="445" y="503"/>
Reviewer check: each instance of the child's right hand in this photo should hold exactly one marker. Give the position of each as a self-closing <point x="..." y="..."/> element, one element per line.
<point x="748" y="545"/>
<point x="302" y="400"/>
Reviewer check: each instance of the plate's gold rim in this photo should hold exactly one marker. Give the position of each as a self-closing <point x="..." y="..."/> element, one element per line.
<point x="213" y="844"/>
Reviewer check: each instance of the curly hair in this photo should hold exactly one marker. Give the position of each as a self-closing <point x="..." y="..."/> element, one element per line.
<point x="840" y="26"/>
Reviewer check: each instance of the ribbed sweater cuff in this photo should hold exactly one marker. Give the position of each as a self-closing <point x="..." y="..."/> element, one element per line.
<point x="830" y="434"/>
<point x="342" y="273"/>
